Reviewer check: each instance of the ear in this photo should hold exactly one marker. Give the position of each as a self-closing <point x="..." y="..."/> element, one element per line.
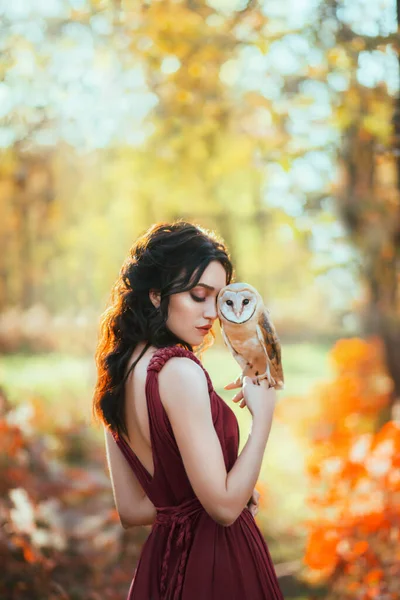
<point x="154" y="298"/>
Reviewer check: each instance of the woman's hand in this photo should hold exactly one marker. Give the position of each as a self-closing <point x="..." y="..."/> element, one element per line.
<point x="253" y="503"/>
<point x="256" y="395"/>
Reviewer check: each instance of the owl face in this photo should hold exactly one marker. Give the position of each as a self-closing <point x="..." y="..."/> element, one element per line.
<point x="237" y="302"/>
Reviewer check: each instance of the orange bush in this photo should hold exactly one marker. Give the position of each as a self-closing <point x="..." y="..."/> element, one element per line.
<point x="354" y="537"/>
<point x="59" y="535"/>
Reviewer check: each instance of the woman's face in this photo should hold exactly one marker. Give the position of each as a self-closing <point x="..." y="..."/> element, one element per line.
<point x="188" y="311"/>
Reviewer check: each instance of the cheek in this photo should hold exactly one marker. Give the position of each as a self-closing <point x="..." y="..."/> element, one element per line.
<point x="182" y="308"/>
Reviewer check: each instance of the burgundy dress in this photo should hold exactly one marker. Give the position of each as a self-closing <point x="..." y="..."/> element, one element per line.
<point x="188" y="556"/>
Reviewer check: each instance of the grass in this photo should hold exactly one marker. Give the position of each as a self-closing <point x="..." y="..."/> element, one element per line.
<point x="50" y="376"/>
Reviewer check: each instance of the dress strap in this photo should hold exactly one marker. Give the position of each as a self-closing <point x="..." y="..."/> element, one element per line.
<point x="161" y="356"/>
<point x="145" y="478"/>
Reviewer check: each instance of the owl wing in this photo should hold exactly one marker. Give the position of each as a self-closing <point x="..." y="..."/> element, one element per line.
<point x="271" y="345"/>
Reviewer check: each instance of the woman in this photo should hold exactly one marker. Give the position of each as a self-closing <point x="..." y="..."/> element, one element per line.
<point x="171" y="441"/>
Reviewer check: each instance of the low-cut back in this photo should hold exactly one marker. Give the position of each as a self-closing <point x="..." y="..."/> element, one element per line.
<point x="188" y="555"/>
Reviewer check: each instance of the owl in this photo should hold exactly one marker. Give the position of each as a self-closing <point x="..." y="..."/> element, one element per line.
<point x="248" y="332"/>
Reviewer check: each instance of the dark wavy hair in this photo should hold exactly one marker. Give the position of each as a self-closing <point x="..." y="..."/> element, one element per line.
<point x="169" y="258"/>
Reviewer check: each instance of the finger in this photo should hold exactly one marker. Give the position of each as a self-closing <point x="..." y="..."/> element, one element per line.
<point x="243" y="403"/>
<point x="253" y="509"/>
<point x="237" y="396"/>
<point x="254" y="502"/>
<point x="255" y="496"/>
<point x="232" y="385"/>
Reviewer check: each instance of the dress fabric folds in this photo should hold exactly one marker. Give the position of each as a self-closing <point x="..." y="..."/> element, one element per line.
<point x="188" y="556"/>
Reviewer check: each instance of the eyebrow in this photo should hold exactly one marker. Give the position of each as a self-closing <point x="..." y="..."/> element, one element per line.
<point x="208" y="287"/>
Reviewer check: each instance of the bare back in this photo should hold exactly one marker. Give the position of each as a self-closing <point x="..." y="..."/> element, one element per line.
<point x="135" y="407"/>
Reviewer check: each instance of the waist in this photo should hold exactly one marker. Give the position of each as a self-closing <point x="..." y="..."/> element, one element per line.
<point x="179" y="512"/>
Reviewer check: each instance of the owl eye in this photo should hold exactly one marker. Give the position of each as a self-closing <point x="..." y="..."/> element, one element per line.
<point x="246" y="301"/>
<point x="229" y="302"/>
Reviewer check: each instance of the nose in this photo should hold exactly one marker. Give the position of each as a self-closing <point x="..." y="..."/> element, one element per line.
<point x="210" y="309"/>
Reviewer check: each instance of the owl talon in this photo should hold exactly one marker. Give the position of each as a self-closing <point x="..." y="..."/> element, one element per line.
<point x="267" y="376"/>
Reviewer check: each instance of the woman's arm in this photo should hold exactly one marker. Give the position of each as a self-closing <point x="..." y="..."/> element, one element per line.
<point x="144" y="514"/>
<point x="184" y="394"/>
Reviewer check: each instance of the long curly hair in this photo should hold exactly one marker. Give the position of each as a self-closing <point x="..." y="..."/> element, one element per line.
<point x="169" y="258"/>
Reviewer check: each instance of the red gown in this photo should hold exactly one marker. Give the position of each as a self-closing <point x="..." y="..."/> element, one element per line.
<point x="188" y="556"/>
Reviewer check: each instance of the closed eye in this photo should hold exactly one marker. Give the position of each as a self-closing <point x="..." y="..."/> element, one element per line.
<point x="197" y="299"/>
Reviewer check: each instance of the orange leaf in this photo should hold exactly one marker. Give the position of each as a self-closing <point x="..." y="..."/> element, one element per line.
<point x="360" y="547"/>
<point x="374" y="576"/>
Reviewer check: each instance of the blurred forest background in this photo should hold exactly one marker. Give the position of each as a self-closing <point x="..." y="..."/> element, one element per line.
<point x="278" y="125"/>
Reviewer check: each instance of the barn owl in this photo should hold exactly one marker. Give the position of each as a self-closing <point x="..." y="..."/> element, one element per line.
<point x="248" y="332"/>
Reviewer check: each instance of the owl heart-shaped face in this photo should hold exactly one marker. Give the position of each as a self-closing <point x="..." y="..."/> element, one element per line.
<point x="237" y="302"/>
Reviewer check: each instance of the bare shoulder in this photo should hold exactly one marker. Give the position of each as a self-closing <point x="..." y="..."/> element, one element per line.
<point x="182" y="376"/>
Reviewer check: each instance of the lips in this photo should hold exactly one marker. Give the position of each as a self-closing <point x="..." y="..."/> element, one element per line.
<point x="204" y="329"/>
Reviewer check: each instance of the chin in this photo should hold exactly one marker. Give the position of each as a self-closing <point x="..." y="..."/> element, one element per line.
<point x="197" y="341"/>
<point x="193" y="341"/>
